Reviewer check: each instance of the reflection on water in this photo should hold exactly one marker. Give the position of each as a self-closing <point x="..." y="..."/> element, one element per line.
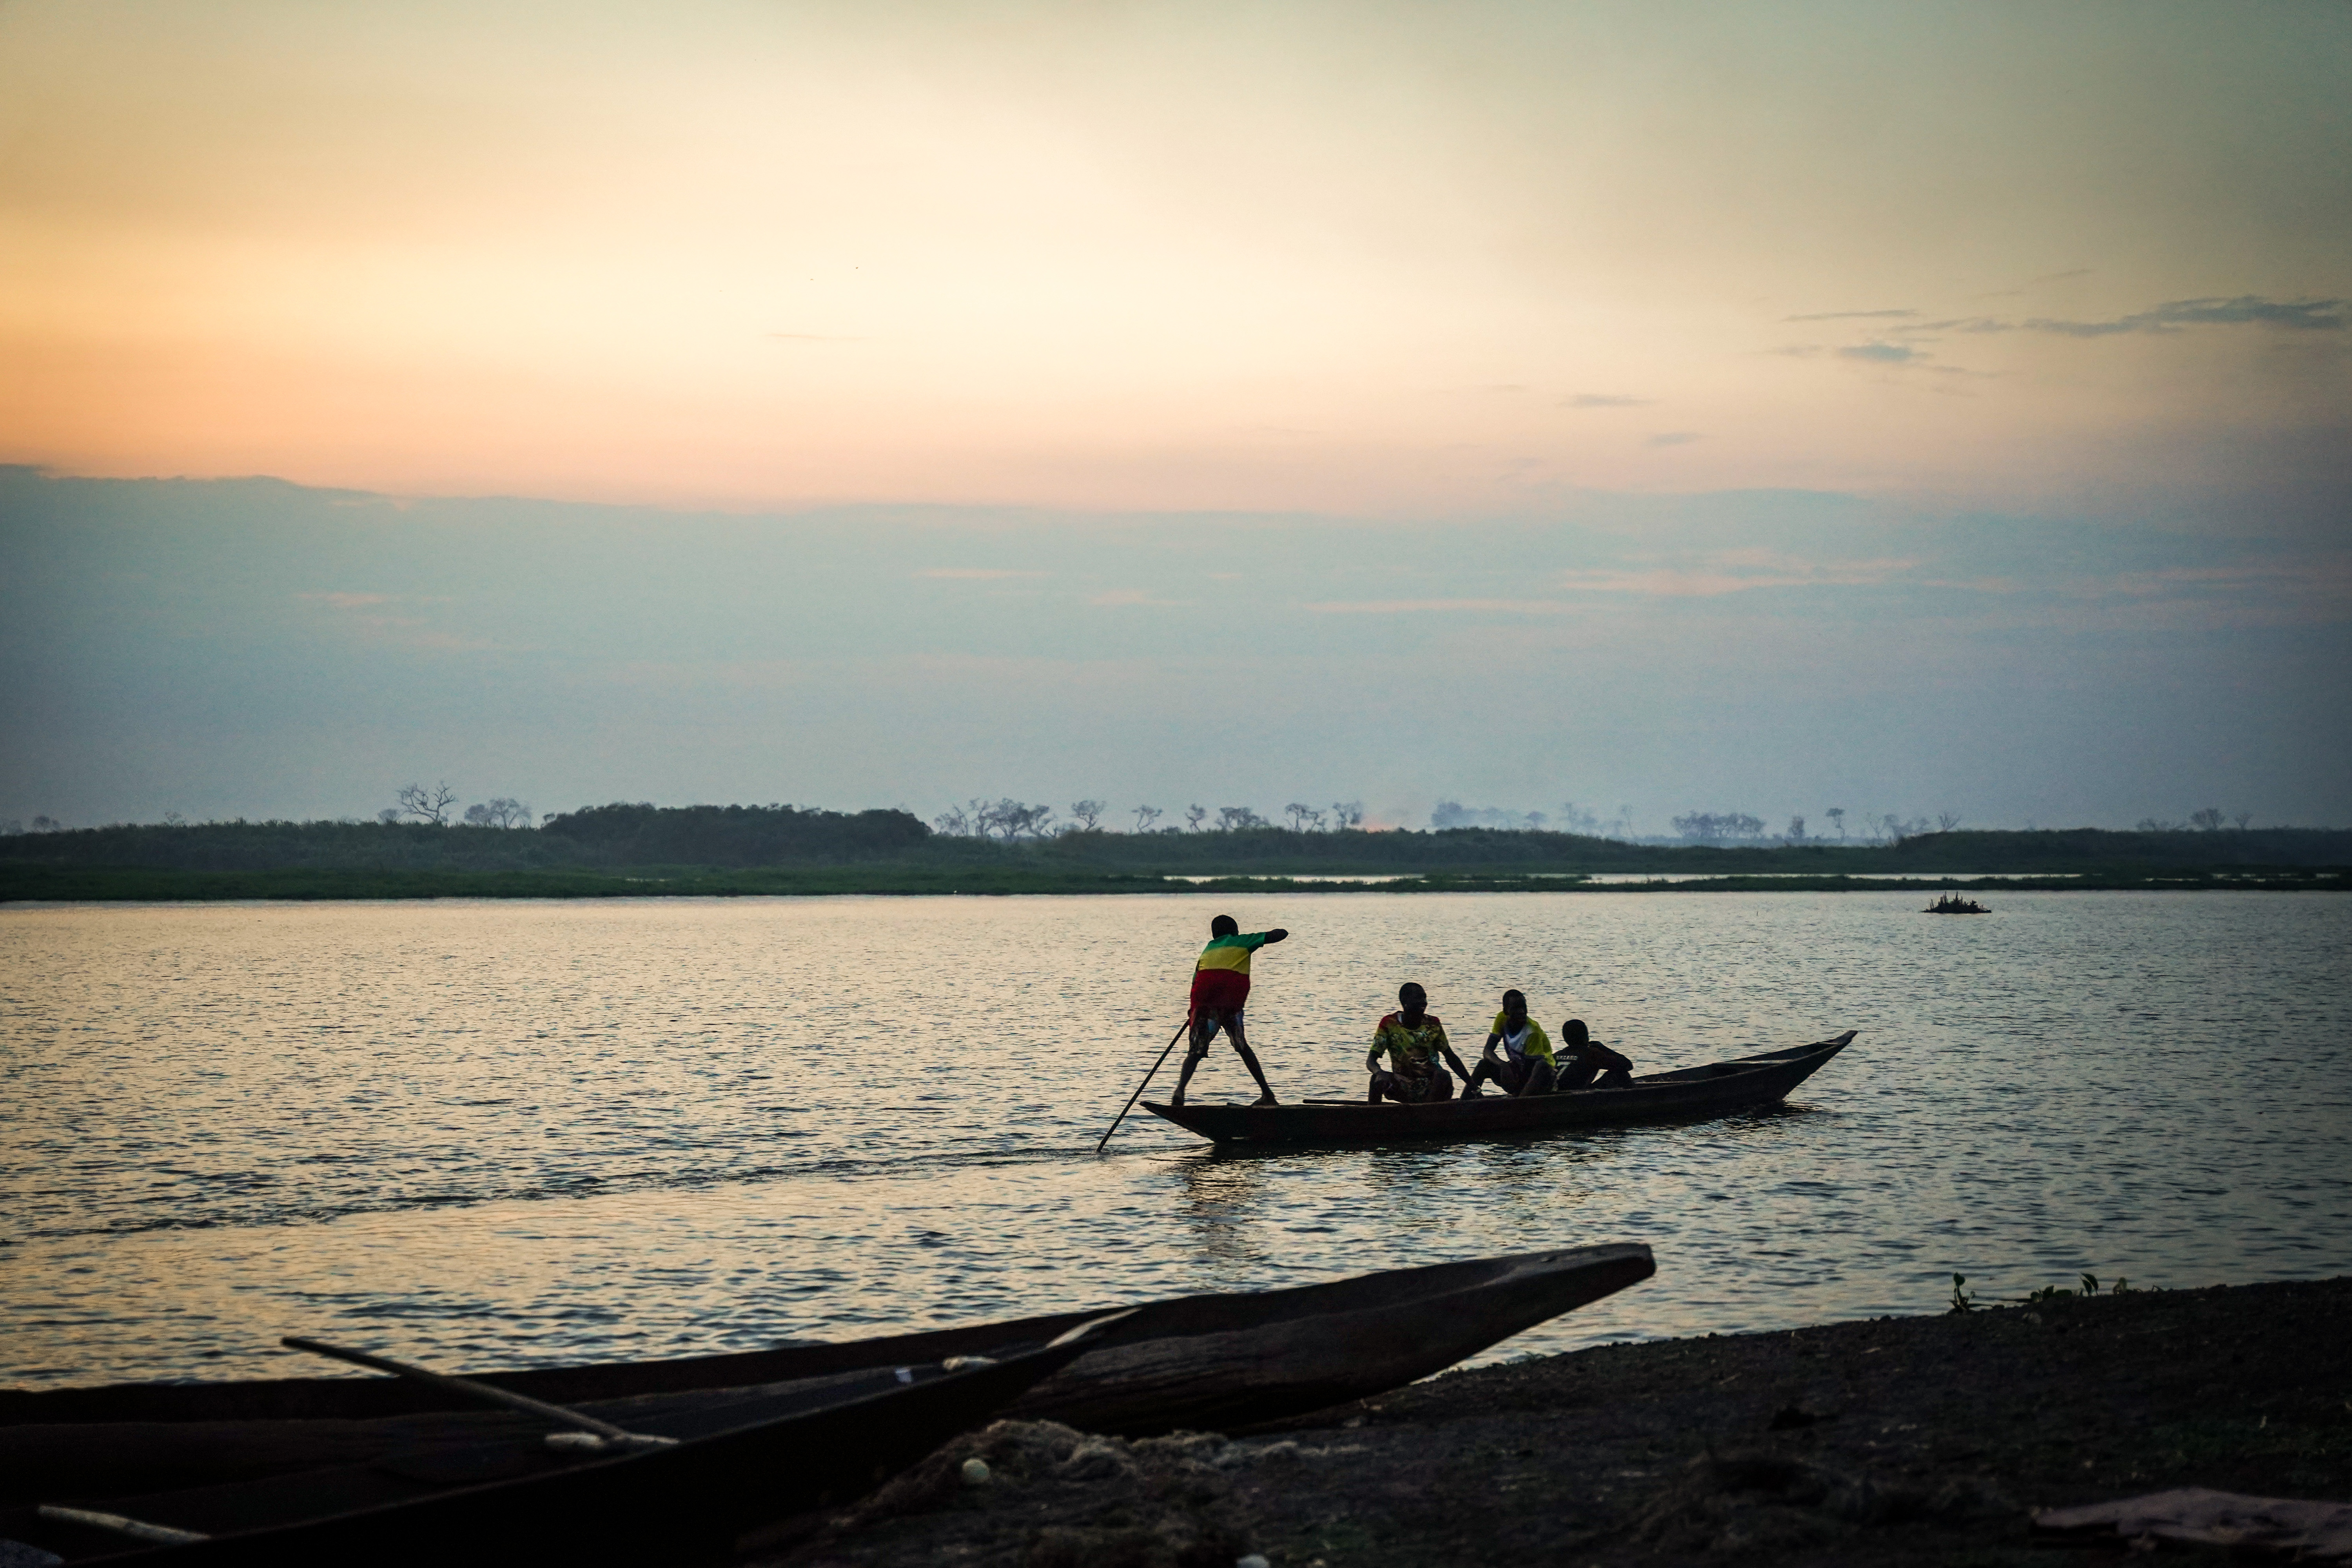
<point x="507" y="1132"/>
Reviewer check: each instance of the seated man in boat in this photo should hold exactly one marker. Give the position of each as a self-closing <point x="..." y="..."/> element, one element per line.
<point x="1221" y="982"/>
<point x="1582" y="1059"/>
<point x="1414" y="1040"/>
<point x="1523" y="1064"/>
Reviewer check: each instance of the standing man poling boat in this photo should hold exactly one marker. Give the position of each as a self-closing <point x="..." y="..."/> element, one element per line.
<point x="1414" y="1040"/>
<point x="1221" y="982"/>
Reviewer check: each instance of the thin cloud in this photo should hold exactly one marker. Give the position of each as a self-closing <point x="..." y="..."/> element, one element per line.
<point x="975" y="574"/>
<point x="2246" y="309"/>
<point x="1440" y="606"/>
<point x="1672" y="439"/>
<point x="1853" y="316"/>
<point x="1124" y="598"/>
<point x="1605" y="400"/>
<point x="1735" y="571"/>
<point x="813" y="338"/>
<point x="347" y="601"/>
<point x="1881" y="353"/>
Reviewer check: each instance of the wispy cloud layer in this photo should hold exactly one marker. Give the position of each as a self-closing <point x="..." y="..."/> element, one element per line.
<point x="2246" y="309"/>
<point x="277" y="651"/>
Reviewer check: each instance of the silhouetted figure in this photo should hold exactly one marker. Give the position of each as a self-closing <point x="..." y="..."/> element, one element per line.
<point x="1221" y="982"/>
<point x="1523" y="1064"/>
<point x="1582" y="1059"/>
<point x="1413" y="1039"/>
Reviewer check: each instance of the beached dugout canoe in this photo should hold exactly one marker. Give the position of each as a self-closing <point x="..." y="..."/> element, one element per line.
<point x="693" y="1501"/>
<point x="1208" y="1363"/>
<point x="1693" y="1092"/>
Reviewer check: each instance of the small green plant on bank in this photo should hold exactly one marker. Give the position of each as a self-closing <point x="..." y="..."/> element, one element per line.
<point x="1967" y="1301"/>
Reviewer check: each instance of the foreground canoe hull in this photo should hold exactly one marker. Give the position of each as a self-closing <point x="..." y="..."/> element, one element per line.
<point x="1212" y="1361"/>
<point x="1711" y="1090"/>
<point x="685" y="1503"/>
<point x="1322" y="1348"/>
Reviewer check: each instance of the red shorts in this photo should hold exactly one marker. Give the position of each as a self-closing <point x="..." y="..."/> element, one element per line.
<point x="1219" y="990"/>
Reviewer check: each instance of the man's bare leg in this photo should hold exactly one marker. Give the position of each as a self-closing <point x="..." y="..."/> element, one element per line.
<point x="1194" y="1056"/>
<point x="1249" y="1060"/>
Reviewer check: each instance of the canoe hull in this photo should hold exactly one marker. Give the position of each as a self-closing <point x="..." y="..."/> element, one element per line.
<point x="1239" y="1377"/>
<point x="1695" y="1092"/>
<point x="678" y="1504"/>
<point x="1212" y="1361"/>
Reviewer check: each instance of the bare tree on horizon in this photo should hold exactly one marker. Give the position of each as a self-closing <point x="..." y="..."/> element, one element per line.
<point x="1145" y="816"/>
<point x="428" y="805"/>
<point x="499" y="811"/>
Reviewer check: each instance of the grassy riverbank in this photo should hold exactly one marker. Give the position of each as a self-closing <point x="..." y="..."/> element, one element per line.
<point x="1916" y="1441"/>
<point x="20" y="883"/>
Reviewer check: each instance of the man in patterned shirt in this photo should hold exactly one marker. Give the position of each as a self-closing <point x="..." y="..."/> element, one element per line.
<point x="1414" y="1040"/>
<point x="1221" y="985"/>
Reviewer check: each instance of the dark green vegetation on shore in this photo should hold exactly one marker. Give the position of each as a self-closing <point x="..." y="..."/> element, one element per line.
<point x="643" y="850"/>
<point x="116" y="885"/>
<point x="1910" y="1441"/>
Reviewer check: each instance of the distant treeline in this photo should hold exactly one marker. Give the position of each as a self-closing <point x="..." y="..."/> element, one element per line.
<point x="744" y="836"/>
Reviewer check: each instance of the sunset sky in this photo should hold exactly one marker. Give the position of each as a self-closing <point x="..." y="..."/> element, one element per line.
<point x="1693" y="406"/>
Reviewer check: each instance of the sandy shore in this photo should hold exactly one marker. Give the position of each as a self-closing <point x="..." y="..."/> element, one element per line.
<point x="1911" y="1440"/>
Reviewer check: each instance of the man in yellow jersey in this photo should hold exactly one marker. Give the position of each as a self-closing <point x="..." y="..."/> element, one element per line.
<point x="1525" y="1065"/>
<point x="1221" y="982"/>
<point x="1414" y="1040"/>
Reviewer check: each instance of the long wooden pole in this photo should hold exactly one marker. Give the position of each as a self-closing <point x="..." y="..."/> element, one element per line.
<point x="468" y="1388"/>
<point x="1146" y="1079"/>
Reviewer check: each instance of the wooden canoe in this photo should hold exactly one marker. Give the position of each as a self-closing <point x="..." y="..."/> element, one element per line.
<point x="1211" y="1362"/>
<point x="690" y="1501"/>
<point x="1693" y="1092"/>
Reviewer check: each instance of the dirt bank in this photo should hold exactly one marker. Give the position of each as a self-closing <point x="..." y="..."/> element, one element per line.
<point x="1914" y="1440"/>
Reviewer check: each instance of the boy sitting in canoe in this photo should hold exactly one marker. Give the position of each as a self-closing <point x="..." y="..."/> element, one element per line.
<point x="1414" y="1040"/>
<point x="1582" y="1057"/>
<point x="1525" y="1065"/>
<point x="1221" y="983"/>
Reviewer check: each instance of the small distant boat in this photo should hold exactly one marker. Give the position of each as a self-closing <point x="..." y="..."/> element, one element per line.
<point x="1953" y="904"/>
<point x="1701" y="1091"/>
<point x="225" y="1455"/>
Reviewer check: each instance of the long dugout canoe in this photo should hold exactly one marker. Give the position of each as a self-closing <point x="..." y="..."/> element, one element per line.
<point x="1693" y="1092"/>
<point x="693" y="1501"/>
<point x="1210" y="1362"/>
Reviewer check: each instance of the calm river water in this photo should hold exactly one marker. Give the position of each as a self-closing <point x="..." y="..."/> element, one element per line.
<point x="507" y="1132"/>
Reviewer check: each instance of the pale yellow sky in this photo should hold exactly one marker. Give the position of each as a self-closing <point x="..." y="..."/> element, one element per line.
<point x="1400" y="260"/>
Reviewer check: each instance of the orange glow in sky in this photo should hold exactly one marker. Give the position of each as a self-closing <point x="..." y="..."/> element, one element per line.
<point x="1399" y="260"/>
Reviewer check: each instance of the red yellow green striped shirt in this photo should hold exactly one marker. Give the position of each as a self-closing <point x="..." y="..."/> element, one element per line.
<point x="1221" y="979"/>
